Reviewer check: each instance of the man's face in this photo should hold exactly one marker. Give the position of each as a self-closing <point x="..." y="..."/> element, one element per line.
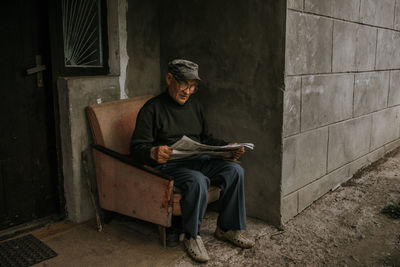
<point x="180" y="91"/>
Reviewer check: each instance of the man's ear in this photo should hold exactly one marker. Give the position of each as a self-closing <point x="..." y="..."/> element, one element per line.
<point x="168" y="78"/>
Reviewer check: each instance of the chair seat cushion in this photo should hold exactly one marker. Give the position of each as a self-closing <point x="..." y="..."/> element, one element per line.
<point x="213" y="195"/>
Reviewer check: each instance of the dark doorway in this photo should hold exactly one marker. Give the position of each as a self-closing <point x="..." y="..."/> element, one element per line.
<point x="28" y="171"/>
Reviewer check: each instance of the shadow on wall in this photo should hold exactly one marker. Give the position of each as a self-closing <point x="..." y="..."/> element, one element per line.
<point x="239" y="46"/>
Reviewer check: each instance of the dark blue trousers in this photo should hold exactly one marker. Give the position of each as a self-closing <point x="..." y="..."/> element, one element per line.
<point x="194" y="176"/>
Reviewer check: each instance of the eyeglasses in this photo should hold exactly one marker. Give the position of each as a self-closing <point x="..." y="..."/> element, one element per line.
<point x="184" y="85"/>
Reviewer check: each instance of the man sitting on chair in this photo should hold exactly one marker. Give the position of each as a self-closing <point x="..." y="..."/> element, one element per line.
<point x="161" y="122"/>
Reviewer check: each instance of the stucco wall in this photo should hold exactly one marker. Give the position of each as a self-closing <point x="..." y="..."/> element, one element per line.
<point x="134" y="45"/>
<point x="342" y="93"/>
<point x="239" y="46"/>
<point x="143" y="48"/>
<point x="75" y="94"/>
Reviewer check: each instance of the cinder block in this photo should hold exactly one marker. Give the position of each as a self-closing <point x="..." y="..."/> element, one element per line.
<point x="291" y="111"/>
<point x="397" y="16"/>
<point x="391" y="146"/>
<point x="342" y="9"/>
<point x="346" y="9"/>
<point x="295" y="4"/>
<point x="354" y="47"/>
<point x="366" y="48"/>
<point x="304" y="159"/>
<point x="317" y="189"/>
<point x="388" y="52"/>
<point x="365" y="160"/>
<point x="289" y="207"/>
<point x="344" y="46"/>
<point x="376" y="155"/>
<point x="394" y="91"/>
<point x="370" y="92"/>
<point x="326" y="99"/>
<point x="348" y="141"/>
<point x="308" y="44"/>
<point x="377" y="12"/>
<point x="318" y="7"/>
<point x="385" y="127"/>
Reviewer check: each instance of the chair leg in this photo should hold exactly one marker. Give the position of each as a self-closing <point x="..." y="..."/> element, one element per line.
<point x="163" y="235"/>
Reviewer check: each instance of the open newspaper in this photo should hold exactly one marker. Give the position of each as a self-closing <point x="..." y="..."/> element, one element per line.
<point x="186" y="147"/>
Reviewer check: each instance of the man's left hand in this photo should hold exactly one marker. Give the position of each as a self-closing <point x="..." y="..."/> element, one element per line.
<point x="237" y="153"/>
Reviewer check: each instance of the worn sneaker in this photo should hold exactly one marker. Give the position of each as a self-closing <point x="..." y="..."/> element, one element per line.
<point x="236" y="237"/>
<point x="195" y="248"/>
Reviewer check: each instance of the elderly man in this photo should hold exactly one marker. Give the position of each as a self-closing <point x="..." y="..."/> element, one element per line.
<point x="162" y="121"/>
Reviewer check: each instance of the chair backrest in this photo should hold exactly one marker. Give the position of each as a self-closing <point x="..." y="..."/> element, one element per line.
<point x="112" y="123"/>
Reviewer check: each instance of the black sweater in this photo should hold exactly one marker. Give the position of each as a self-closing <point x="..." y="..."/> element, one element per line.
<point x="162" y="121"/>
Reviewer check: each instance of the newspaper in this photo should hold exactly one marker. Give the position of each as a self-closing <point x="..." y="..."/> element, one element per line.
<point x="186" y="147"/>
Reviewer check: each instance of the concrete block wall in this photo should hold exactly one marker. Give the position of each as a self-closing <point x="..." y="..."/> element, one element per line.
<point x="342" y="93"/>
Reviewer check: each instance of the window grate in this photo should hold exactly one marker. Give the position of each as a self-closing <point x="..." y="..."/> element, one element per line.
<point x="81" y="22"/>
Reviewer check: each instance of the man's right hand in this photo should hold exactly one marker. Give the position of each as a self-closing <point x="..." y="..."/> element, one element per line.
<point x="161" y="154"/>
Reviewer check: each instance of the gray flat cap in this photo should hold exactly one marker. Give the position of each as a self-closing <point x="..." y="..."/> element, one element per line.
<point x="184" y="69"/>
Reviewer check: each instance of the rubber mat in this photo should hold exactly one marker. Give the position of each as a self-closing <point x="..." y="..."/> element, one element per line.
<point x="24" y="251"/>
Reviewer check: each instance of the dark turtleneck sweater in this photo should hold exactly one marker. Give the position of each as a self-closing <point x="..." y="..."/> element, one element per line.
<point x="162" y="121"/>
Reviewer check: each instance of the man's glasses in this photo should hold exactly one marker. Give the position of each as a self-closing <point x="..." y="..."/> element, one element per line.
<point x="184" y="85"/>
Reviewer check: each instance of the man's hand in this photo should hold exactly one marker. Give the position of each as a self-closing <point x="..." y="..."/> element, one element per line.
<point x="237" y="153"/>
<point x="161" y="154"/>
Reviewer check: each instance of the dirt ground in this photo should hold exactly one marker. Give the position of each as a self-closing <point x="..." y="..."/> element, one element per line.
<point x="343" y="228"/>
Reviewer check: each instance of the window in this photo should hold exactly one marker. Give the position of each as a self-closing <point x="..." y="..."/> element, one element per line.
<point x="83" y="31"/>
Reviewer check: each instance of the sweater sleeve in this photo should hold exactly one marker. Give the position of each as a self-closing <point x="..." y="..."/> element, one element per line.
<point x="143" y="137"/>
<point x="206" y="137"/>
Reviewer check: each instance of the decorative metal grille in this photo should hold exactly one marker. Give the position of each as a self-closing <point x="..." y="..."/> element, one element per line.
<point x="82" y="33"/>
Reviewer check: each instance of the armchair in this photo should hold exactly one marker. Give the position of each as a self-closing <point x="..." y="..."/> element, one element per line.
<point x="124" y="186"/>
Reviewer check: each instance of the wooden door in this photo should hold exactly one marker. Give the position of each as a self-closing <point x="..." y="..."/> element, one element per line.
<point x="28" y="171"/>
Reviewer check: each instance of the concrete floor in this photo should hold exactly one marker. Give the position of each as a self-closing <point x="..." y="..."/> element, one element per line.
<point x="343" y="228"/>
<point x="124" y="242"/>
<point x="130" y="242"/>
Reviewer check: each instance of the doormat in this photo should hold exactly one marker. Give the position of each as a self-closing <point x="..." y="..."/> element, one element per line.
<point x="24" y="251"/>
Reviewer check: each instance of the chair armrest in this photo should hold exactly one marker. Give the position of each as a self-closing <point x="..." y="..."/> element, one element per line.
<point x="132" y="191"/>
<point x="128" y="160"/>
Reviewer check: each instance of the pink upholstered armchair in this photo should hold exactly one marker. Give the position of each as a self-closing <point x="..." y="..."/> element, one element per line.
<point x="124" y="186"/>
